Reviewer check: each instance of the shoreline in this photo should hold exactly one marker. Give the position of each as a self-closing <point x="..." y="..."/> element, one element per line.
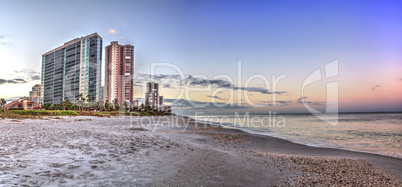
<point x="318" y="151"/>
<point x="307" y="142"/>
<point x="287" y="152"/>
<point x="124" y="151"/>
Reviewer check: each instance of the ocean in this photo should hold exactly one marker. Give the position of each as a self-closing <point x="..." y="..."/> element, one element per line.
<point x="379" y="133"/>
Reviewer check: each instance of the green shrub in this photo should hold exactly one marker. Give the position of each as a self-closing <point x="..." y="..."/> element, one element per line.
<point x="46" y="112"/>
<point x="17" y="108"/>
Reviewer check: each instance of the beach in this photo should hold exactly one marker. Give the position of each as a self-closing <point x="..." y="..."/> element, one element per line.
<point x="173" y="151"/>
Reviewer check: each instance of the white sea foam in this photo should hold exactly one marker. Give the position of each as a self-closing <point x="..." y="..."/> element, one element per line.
<point x="379" y="133"/>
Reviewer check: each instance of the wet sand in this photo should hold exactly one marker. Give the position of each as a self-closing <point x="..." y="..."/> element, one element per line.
<point x="173" y="151"/>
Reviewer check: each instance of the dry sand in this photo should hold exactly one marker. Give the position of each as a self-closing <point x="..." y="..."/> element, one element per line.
<point x="173" y="151"/>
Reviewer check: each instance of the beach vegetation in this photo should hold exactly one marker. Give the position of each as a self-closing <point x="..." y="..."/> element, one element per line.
<point x="2" y="103"/>
<point x="84" y="107"/>
<point x="35" y="114"/>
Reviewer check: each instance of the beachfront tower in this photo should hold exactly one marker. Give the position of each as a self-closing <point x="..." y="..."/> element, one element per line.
<point x="71" y="69"/>
<point x="119" y="72"/>
<point x="152" y="98"/>
<point x="34" y="95"/>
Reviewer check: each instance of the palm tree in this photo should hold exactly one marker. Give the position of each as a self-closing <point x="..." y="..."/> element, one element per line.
<point x="80" y="96"/>
<point x="64" y="104"/>
<point x="116" y="104"/>
<point x="126" y="105"/>
<point x="89" y="98"/>
<point x="81" y="100"/>
<point x="46" y="106"/>
<point x="101" y="105"/>
<point x="3" y="103"/>
<point x="107" y="104"/>
<point x="132" y="105"/>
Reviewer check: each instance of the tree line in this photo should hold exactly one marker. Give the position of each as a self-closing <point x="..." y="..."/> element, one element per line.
<point x="85" y="103"/>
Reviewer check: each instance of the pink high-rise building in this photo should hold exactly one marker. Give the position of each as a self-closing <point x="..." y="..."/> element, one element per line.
<point x="119" y="72"/>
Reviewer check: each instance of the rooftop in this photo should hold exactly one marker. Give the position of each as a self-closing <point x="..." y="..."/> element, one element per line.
<point x="71" y="42"/>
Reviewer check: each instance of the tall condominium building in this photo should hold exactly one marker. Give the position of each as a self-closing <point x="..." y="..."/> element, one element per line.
<point x="119" y="72"/>
<point x="152" y="97"/>
<point x="35" y="94"/>
<point x="102" y="96"/>
<point x="71" y="69"/>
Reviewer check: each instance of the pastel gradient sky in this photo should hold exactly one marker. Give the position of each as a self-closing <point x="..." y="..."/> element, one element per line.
<point x="209" y="37"/>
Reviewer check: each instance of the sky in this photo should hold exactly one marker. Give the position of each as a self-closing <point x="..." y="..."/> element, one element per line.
<point x="207" y="40"/>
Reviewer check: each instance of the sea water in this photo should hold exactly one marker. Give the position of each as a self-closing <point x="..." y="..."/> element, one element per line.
<point x="379" y="133"/>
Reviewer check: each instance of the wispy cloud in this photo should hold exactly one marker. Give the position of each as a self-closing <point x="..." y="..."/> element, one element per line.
<point x="167" y="85"/>
<point x="375" y="87"/>
<point x="28" y="74"/>
<point x="10" y="99"/>
<point x="12" y="81"/>
<point x="226" y="84"/>
<point x="27" y="71"/>
<point x="176" y="80"/>
<point x="189" y="105"/>
<point x="5" y="43"/>
<point x="112" y="31"/>
<point x="216" y="97"/>
<point x="206" y="82"/>
<point x="275" y="103"/>
<point x="300" y="101"/>
<point x="35" y="77"/>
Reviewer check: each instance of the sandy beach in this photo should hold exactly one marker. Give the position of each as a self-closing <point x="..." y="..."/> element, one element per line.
<point x="173" y="151"/>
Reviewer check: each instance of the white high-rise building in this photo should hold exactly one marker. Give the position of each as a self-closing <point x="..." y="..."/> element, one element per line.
<point x="152" y="97"/>
<point x="35" y="94"/>
<point x="72" y="69"/>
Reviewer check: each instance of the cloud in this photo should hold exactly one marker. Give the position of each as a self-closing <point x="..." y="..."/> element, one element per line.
<point x="226" y="84"/>
<point x="260" y="90"/>
<point x="400" y="79"/>
<point x="10" y="99"/>
<point x="35" y="77"/>
<point x="6" y="43"/>
<point x="112" y="31"/>
<point x="216" y="97"/>
<point x="205" y="82"/>
<point x="275" y="103"/>
<point x="24" y="76"/>
<point x="375" y="87"/>
<point x="27" y="71"/>
<point x="28" y="74"/>
<point x="315" y="102"/>
<point x="12" y="81"/>
<point x="167" y="85"/>
<point x="300" y="101"/>
<point x="142" y="79"/>
<point x="189" y="105"/>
